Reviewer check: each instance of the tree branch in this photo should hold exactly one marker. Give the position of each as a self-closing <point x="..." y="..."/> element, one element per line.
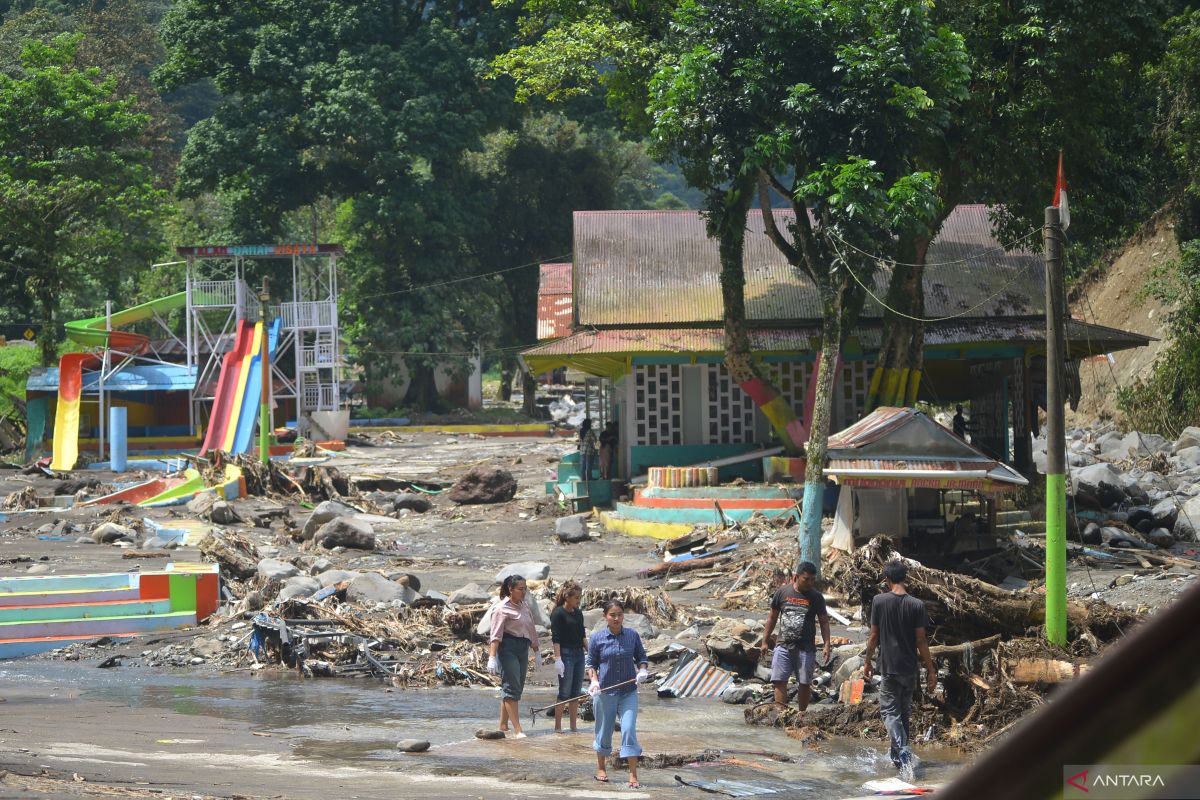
<point x="768" y="214"/>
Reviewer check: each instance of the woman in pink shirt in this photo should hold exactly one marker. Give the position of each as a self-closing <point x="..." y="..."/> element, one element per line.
<point x="509" y="648"/>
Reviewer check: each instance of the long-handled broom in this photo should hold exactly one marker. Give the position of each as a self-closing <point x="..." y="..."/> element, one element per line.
<point x="535" y="711"/>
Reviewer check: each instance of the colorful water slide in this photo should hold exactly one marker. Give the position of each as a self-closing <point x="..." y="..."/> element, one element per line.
<point x="252" y="399"/>
<point x="93" y="333"/>
<point x="226" y="406"/>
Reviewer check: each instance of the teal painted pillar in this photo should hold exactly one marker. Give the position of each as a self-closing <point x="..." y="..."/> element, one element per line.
<point x="810" y="523"/>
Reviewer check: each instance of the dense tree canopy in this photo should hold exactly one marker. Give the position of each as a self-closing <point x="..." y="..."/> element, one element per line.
<point x="78" y="204"/>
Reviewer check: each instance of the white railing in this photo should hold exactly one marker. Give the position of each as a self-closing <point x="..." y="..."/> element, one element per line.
<point x="313" y="314"/>
<point x="321" y="396"/>
<point x="214" y="294"/>
<point x="317" y="356"/>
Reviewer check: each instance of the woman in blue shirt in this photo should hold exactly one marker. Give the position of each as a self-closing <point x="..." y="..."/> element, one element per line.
<point x="616" y="658"/>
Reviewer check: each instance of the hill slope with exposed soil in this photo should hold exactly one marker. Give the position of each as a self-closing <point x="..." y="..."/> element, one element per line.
<point x="1115" y="298"/>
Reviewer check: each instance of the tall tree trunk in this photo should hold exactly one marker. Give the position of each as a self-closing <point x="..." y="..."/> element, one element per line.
<point x="507" y="372"/>
<point x="896" y="379"/>
<point x="422" y="389"/>
<point x="818" y="435"/>
<point x="47" y="339"/>
<point x="728" y="221"/>
<point x="528" y="393"/>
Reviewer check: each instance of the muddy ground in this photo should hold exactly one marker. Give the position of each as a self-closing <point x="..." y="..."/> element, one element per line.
<point x="446" y="548"/>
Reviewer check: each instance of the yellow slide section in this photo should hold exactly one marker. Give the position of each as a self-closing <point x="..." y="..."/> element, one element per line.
<point x="240" y="394"/>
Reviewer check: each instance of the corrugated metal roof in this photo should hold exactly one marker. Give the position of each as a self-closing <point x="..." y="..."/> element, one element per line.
<point x="555" y="279"/>
<point x="555" y="313"/>
<point x="645" y="267"/>
<point x="693" y="676"/>
<point x="1083" y="339"/>
<point x="142" y="378"/>
<point x="872" y="427"/>
<point x="901" y="441"/>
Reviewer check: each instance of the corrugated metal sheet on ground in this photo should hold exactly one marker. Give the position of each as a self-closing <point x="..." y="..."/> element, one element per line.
<point x="694" y="676"/>
<point x="647" y="267"/>
<point x="729" y="788"/>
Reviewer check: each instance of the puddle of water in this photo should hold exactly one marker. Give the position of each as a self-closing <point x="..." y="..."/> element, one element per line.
<point x="344" y="723"/>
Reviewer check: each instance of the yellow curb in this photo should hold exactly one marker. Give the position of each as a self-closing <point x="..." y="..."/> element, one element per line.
<point x="640" y="527"/>
<point x="514" y="428"/>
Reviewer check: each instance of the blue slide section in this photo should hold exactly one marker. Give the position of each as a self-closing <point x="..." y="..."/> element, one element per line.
<point x="253" y="395"/>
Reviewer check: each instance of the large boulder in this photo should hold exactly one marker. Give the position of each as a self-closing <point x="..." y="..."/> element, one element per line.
<point x="223" y="513"/>
<point x="411" y="501"/>
<point x="110" y="532"/>
<point x="345" y="532"/>
<point x="471" y="594"/>
<point x="275" y="571"/>
<point x="529" y="570"/>
<point x="1187" y="526"/>
<point x="734" y="641"/>
<point x="483" y="484"/>
<point x="1165" y="512"/>
<point x="572" y="529"/>
<point x="1111" y="446"/>
<point x="299" y="586"/>
<point x="334" y="576"/>
<point x="323" y="513"/>
<point x="1103" y="482"/>
<point x="1189" y="438"/>
<point x="1143" y="445"/>
<point x="1187" y="458"/>
<point x="371" y="587"/>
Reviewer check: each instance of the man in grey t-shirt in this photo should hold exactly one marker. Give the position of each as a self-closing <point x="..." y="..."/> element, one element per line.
<point x="898" y="623"/>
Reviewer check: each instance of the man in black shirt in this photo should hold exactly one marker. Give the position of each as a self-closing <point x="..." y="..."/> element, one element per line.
<point x="898" y="623"/>
<point x="796" y="606"/>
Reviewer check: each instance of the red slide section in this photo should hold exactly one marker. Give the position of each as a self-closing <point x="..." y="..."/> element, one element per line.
<point x="227" y="385"/>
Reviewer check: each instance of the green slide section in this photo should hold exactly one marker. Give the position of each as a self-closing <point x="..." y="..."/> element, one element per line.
<point x="91" y="332"/>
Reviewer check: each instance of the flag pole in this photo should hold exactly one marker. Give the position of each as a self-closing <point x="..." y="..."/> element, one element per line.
<point x="1056" y="458"/>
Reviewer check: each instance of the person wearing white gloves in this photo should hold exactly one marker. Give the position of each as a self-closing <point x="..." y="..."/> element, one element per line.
<point x="616" y="663"/>
<point x="570" y="637"/>
<point x="512" y="647"/>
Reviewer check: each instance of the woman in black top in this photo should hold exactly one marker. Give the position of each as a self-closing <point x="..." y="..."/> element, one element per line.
<point x="567" y="631"/>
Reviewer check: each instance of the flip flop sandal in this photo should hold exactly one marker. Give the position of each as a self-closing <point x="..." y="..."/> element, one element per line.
<point x="598" y="778"/>
<point x="634" y="785"/>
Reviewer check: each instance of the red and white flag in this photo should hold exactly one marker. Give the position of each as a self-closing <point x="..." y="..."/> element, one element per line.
<point x="1060" y="196"/>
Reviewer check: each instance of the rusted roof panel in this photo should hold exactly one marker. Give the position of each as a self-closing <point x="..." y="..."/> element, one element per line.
<point x="871" y="428"/>
<point x="555" y="279"/>
<point x="648" y="267"/>
<point x="555" y="305"/>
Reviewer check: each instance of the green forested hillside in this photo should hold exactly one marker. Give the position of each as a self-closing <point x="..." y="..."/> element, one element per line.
<point x="444" y="141"/>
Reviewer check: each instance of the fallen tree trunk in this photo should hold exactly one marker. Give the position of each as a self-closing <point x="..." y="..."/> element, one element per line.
<point x="1044" y="670"/>
<point x="234" y="562"/>
<point x="673" y="567"/>
<point x="976" y="646"/>
<point x="961" y="607"/>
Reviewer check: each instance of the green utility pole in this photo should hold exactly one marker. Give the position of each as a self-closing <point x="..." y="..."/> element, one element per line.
<point x="1056" y="456"/>
<point x="264" y="411"/>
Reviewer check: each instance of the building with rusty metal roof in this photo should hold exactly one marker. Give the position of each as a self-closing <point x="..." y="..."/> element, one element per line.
<point x="646" y="313"/>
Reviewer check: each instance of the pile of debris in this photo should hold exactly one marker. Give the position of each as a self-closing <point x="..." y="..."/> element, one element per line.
<point x="993" y="667"/>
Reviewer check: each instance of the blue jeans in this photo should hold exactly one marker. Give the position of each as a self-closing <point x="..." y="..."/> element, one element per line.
<point x="587" y="462"/>
<point x="607" y="707"/>
<point x="895" y="703"/>
<point x="571" y="683"/>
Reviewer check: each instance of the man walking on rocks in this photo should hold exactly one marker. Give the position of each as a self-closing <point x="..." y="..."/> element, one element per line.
<point x="898" y="623"/>
<point x="796" y="606"/>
